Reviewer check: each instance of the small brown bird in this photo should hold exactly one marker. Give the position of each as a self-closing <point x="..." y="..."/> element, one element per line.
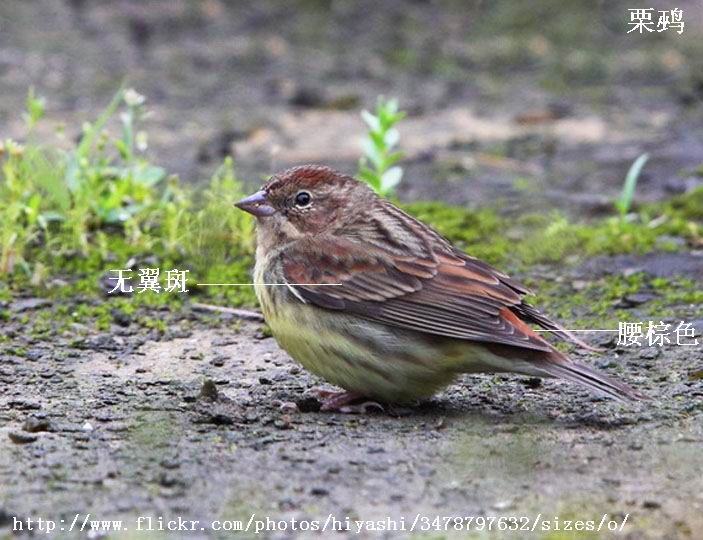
<point x="378" y="303"/>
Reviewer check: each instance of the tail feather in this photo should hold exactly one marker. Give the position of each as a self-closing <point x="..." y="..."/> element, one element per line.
<point x="590" y="378"/>
<point x="555" y="364"/>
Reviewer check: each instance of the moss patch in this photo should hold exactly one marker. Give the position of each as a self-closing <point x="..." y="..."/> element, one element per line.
<point x="552" y="238"/>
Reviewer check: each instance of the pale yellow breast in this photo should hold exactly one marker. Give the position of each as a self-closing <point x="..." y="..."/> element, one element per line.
<point x="264" y="292"/>
<point x="355" y="354"/>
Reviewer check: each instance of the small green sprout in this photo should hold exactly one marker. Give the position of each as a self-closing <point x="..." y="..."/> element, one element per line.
<point x="378" y="165"/>
<point x="624" y="202"/>
<point x="36" y="106"/>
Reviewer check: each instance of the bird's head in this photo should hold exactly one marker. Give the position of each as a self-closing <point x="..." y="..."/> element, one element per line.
<point x="308" y="200"/>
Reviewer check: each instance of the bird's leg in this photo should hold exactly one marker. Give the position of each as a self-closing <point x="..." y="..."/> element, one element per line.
<point x="346" y="402"/>
<point x="336" y="401"/>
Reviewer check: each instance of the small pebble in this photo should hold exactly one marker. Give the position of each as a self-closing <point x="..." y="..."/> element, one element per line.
<point x="21" y="437"/>
<point x="218" y="361"/>
<point x="650" y="353"/>
<point x="35" y="425"/>
<point x="501" y="506"/>
<point x="288" y="407"/>
<point x="636" y="446"/>
<point x="637" y="299"/>
<point x="606" y="363"/>
<point x="208" y="390"/>
<point x="308" y="404"/>
<point x="532" y="382"/>
<point x="282" y="423"/>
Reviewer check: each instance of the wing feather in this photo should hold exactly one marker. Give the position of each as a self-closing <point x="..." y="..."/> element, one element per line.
<point x="444" y="295"/>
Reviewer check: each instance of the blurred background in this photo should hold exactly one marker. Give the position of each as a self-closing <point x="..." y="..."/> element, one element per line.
<point x="532" y="105"/>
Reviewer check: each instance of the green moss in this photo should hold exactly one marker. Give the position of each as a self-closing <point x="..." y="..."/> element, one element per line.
<point x="5" y="293"/>
<point x="154" y="324"/>
<point x="552" y="238"/>
<point x="477" y="231"/>
<point x="688" y="205"/>
<point x="678" y="291"/>
<point x="153" y="432"/>
<point x="266" y="331"/>
<point x="593" y="306"/>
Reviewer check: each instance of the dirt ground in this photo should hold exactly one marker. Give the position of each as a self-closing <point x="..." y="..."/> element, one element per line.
<point x="125" y="423"/>
<point x="119" y="425"/>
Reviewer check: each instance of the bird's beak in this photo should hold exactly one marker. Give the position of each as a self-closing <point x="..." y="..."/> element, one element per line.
<point x="256" y="204"/>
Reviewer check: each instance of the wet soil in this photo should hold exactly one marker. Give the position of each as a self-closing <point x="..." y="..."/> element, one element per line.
<point x="200" y="423"/>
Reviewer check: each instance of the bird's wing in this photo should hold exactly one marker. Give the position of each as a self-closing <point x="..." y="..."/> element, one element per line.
<point x="414" y="280"/>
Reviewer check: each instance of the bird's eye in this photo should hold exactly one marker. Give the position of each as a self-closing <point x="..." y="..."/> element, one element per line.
<point x="303" y="199"/>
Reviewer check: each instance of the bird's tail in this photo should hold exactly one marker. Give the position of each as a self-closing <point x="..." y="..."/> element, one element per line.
<point x="561" y="367"/>
<point x="552" y="363"/>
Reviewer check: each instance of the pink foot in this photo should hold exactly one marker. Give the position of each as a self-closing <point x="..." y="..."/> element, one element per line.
<point x="346" y="402"/>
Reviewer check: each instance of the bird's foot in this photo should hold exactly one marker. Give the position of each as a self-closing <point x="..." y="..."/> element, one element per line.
<point x="346" y="402"/>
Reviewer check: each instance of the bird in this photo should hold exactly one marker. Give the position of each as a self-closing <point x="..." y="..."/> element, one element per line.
<point x="380" y="304"/>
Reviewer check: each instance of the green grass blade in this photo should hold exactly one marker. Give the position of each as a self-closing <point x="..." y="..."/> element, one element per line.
<point x="624" y="203"/>
<point x="88" y="138"/>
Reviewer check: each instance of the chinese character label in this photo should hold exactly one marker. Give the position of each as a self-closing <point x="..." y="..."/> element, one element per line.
<point x="121" y="279"/>
<point x="685" y="334"/>
<point x="656" y="335"/>
<point x="176" y="281"/>
<point x="148" y="280"/>
<point x="641" y="20"/>
<point x="630" y="334"/>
